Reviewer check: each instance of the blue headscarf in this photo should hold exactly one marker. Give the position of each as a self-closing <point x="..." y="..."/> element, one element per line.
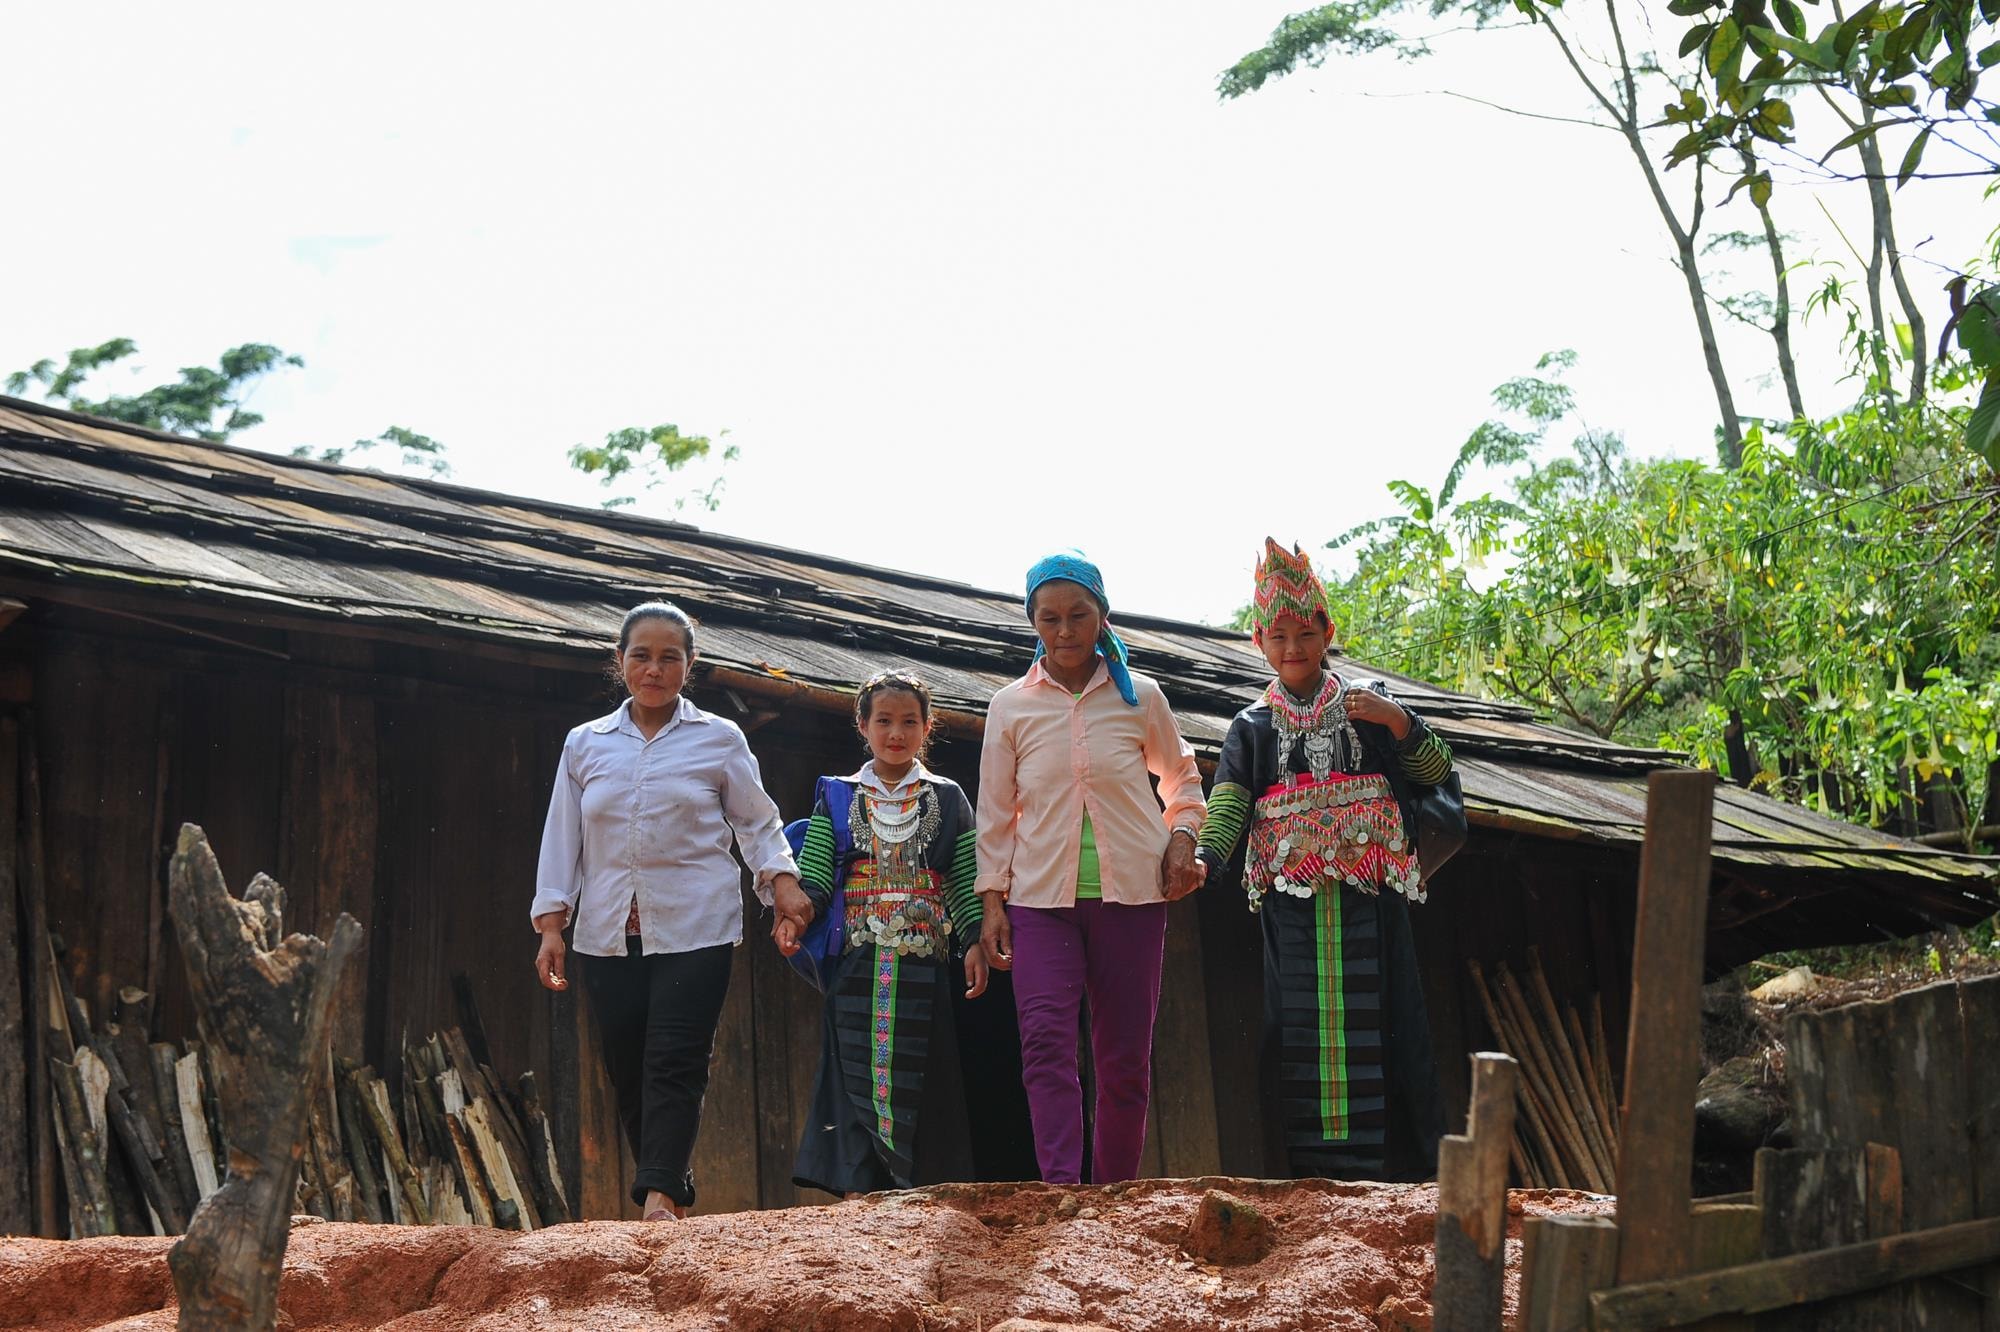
<point x="1071" y="566"/>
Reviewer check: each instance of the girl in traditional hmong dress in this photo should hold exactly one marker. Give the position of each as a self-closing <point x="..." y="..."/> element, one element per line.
<point x="888" y="1107"/>
<point x="1311" y="809"/>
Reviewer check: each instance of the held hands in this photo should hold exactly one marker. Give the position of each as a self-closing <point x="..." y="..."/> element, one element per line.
<point x="794" y="913"/>
<point x="1369" y="706"/>
<point x="996" y="934"/>
<point x="975" y="971"/>
<point x="1180" y="871"/>
<point x="549" y="958"/>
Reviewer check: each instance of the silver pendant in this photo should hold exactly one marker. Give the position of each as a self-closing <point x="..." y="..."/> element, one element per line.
<point x="1319" y="754"/>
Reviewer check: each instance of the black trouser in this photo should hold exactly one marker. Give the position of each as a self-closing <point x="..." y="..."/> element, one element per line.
<point x="656" y="1018"/>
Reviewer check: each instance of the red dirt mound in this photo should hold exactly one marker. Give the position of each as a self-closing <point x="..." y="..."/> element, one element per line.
<point x="962" y="1258"/>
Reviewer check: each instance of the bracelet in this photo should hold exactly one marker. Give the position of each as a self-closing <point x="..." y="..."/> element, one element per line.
<point x="1185" y="831"/>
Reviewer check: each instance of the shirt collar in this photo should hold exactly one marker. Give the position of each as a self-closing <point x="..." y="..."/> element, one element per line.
<point x="865" y="776"/>
<point x="1039" y="674"/>
<point x="621" y="720"/>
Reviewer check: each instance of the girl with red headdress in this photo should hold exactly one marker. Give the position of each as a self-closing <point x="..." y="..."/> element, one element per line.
<point x="1314" y="812"/>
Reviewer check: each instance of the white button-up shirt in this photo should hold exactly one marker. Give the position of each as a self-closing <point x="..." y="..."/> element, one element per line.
<point x="653" y="819"/>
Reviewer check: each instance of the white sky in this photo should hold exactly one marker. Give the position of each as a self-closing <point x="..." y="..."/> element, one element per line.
<point x="966" y="284"/>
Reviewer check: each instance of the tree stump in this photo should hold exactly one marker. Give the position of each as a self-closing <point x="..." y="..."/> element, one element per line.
<point x="261" y="999"/>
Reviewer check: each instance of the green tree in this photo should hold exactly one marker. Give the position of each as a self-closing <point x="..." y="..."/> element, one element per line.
<point x="209" y="404"/>
<point x="647" y="458"/>
<point x="1710" y="86"/>
<point x="1822" y="620"/>
<point x="206" y="402"/>
<point x="417" y="453"/>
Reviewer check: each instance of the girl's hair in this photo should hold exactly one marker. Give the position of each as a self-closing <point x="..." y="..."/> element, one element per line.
<point x="656" y="610"/>
<point x="864" y="698"/>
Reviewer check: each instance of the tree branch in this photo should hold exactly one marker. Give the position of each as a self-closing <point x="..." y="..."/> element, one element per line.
<point x="1499" y="106"/>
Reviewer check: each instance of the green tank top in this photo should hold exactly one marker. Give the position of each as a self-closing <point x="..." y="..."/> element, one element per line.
<point x="1089" y="886"/>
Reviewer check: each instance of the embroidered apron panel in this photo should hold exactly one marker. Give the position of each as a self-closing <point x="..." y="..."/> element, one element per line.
<point x="904" y="913"/>
<point x="1310" y="836"/>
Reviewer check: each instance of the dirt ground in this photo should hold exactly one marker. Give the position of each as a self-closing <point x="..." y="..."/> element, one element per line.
<point x="959" y="1257"/>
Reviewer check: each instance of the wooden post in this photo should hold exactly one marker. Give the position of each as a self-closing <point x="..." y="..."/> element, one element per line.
<point x="1472" y="1203"/>
<point x="45" y="1017"/>
<point x="18" y="1128"/>
<point x="1726" y="1235"/>
<point x="83" y="1155"/>
<point x="336" y="1177"/>
<point x="1663" y="1044"/>
<point x="546" y="1174"/>
<point x="128" y="1039"/>
<point x="1979" y="1007"/>
<point x="1564" y="1259"/>
<point x="262" y="1001"/>
<point x="192" y="1086"/>
<point x="1899" y="1073"/>
<point x="156" y="878"/>
<point x="1818" y="1199"/>
<point x="173" y="1129"/>
<point x="395" y="1164"/>
<point x="353" y="1128"/>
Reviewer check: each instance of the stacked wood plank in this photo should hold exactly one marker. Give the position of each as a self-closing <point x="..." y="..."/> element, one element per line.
<point x="137" y="1136"/>
<point x="1566" y="1135"/>
<point x="141" y="1140"/>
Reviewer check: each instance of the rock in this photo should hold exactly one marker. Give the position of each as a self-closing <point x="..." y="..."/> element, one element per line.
<point x="1794" y="984"/>
<point x="1734" y="1111"/>
<point x="1228" y="1231"/>
<point x="1397" y="1316"/>
<point x="1041" y="1325"/>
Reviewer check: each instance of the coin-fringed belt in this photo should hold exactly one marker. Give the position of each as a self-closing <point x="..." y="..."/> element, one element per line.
<point x="901" y="912"/>
<point x="1319" y="836"/>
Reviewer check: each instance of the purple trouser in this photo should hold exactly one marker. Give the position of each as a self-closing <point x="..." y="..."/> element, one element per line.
<point x="1113" y="953"/>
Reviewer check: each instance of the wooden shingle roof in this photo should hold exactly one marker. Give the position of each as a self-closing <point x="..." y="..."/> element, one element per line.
<point x="92" y="502"/>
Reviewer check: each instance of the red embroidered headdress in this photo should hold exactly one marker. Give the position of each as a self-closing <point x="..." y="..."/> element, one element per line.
<point x="1287" y="585"/>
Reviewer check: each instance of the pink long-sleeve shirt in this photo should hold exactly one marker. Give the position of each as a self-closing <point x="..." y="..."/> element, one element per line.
<point x="1048" y="757"/>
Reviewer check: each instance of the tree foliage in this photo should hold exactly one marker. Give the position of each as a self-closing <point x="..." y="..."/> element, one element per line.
<point x="648" y="458"/>
<point x="208" y="403"/>
<point x="1710" y="85"/>
<point x="416" y="453"/>
<point x="1835" y="595"/>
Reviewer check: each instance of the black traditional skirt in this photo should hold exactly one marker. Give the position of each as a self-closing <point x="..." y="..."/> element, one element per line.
<point x="1323" y="1028"/>
<point x="888" y="1107"/>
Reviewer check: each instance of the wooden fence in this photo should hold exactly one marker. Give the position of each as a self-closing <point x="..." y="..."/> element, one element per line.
<point x="1884" y="1215"/>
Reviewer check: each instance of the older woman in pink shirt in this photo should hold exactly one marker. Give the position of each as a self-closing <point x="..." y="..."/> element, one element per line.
<point x="1074" y="843"/>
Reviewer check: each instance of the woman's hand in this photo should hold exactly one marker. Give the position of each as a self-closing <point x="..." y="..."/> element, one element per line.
<point x="975" y="971"/>
<point x="1180" y="871"/>
<point x="794" y="911"/>
<point x="996" y="933"/>
<point x="1369" y="706"/>
<point x="785" y="933"/>
<point x="549" y="957"/>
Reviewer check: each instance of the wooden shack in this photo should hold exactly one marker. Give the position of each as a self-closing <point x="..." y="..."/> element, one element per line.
<point x="361" y="684"/>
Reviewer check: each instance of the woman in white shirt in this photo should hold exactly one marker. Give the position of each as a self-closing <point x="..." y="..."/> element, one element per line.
<point x="636" y="854"/>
